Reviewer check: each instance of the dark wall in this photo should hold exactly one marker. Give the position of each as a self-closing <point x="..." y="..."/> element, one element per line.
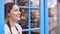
<point x="59" y="1"/>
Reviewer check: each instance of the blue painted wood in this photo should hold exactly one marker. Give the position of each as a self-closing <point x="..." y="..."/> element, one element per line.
<point x="29" y="17"/>
<point x="46" y="17"/>
<point x="30" y="29"/>
<point x="1" y="16"/>
<point x="42" y="17"/>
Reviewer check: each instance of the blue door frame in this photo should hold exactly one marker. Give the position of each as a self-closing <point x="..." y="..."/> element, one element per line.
<point x="46" y="17"/>
<point x="43" y="17"/>
<point x="1" y="16"/>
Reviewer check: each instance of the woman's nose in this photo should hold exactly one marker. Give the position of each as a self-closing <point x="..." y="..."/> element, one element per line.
<point x="19" y="13"/>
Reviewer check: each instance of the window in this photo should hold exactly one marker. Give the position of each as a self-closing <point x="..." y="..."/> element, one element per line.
<point x="32" y="17"/>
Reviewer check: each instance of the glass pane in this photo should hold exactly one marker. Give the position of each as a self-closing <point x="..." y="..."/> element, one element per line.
<point x="34" y="3"/>
<point x="26" y="32"/>
<point x="34" y="18"/>
<point x="35" y="32"/>
<point x="53" y="24"/>
<point x="24" y="18"/>
<point x="22" y="2"/>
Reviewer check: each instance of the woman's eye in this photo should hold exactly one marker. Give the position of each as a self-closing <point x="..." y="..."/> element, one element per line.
<point x="16" y="10"/>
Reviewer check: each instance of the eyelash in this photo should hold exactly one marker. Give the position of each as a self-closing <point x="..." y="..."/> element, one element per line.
<point x="15" y="10"/>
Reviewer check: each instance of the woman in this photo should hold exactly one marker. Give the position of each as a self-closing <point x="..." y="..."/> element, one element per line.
<point x="12" y="14"/>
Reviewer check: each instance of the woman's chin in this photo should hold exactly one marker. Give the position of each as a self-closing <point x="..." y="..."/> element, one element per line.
<point x="17" y="18"/>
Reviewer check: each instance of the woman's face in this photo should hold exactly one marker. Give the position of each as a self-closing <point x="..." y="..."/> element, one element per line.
<point x="14" y="13"/>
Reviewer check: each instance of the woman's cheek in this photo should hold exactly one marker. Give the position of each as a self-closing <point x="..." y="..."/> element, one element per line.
<point x="16" y="17"/>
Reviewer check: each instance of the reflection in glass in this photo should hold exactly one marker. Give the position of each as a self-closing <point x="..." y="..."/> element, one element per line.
<point x="22" y="2"/>
<point x="34" y="18"/>
<point x="24" y="18"/>
<point x="25" y="32"/>
<point x="34" y="3"/>
<point x="35" y="32"/>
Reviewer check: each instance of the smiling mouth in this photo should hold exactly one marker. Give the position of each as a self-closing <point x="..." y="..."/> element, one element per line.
<point x="18" y="16"/>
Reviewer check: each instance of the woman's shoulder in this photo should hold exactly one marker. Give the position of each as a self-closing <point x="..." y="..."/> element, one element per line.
<point x="6" y="26"/>
<point x="6" y="29"/>
<point x="18" y="26"/>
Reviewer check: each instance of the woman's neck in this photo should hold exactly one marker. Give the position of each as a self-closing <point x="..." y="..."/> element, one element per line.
<point x="6" y="21"/>
<point x="11" y="22"/>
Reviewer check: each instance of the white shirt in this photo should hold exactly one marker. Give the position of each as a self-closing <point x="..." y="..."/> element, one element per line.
<point x="13" y="29"/>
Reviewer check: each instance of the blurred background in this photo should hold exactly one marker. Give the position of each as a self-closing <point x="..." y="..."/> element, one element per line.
<point x="53" y="13"/>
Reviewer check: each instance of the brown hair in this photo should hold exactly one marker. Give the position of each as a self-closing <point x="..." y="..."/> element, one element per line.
<point x="7" y="8"/>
